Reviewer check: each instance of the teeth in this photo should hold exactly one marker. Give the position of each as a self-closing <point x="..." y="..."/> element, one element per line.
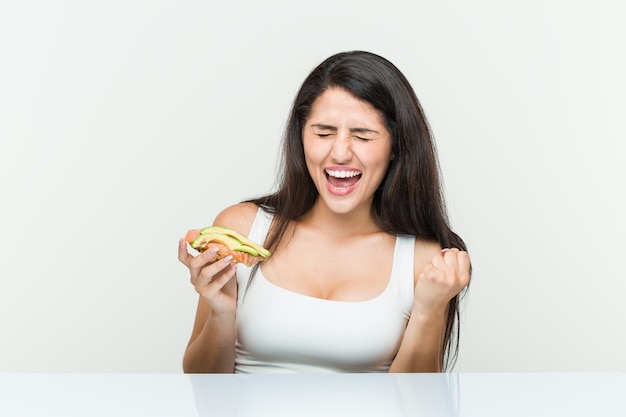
<point x="342" y="174"/>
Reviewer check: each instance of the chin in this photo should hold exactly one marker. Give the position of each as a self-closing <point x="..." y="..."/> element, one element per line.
<point x="341" y="207"/>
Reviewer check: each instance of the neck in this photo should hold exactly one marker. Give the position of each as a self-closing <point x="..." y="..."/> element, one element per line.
<point x="338" y="224"/>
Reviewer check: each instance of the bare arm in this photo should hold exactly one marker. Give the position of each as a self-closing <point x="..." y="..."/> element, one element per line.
<point x="211" y="347"/>
<point x="422" y="346"/>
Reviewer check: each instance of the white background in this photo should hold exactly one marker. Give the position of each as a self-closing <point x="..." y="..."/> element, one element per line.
<point x="125" y="123"/>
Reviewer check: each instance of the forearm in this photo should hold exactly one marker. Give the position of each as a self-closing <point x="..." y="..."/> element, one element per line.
<point x="422" y="347"/>
<point x="213" y="350"/>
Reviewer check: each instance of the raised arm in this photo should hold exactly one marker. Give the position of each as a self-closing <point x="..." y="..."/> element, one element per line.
<point x="436" y="282"/>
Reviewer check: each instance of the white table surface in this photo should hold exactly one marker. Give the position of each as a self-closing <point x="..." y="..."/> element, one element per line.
<point x="321" y="395"/>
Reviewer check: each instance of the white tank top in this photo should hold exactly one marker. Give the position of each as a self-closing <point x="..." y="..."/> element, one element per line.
<point x="281" y="331"/>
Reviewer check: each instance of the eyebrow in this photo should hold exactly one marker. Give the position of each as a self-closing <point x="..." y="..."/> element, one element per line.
<point x="352" y="130"/>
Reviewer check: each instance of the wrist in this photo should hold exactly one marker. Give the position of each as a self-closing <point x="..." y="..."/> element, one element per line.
<point x="221" y="316"/>
<point x="428" y="314"/>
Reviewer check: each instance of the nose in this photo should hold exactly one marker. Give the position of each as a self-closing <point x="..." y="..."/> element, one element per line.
<point x="341" y="151"/>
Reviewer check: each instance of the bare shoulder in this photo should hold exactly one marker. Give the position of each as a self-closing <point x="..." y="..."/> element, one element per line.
<point x="238" y="217"/>
<point x="425" y="251"/>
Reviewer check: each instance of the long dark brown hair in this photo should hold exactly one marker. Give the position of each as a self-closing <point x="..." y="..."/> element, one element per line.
<point x="410" y="197"/>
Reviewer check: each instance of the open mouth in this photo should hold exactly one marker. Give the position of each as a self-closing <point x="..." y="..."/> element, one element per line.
<point x="342" y="179"/>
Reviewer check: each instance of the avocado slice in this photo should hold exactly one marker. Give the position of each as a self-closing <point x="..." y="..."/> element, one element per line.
<point x="233" y="244"/>
<point x="236" y="235"/>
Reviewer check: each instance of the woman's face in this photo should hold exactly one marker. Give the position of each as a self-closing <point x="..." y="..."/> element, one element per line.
<point x="347" y="148"/>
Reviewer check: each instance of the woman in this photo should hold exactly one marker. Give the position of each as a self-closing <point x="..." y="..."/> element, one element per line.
<point x="365" y="273"/>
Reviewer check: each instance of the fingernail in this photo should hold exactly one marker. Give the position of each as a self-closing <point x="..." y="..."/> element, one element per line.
<point x="227" y="259"/>
<point x="213" y="250"/>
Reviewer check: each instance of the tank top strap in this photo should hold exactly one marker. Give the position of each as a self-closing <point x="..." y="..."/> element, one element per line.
<point x="403" y="271"/>
<point x="260" y="226"/>
<point x="258" y="232"/>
